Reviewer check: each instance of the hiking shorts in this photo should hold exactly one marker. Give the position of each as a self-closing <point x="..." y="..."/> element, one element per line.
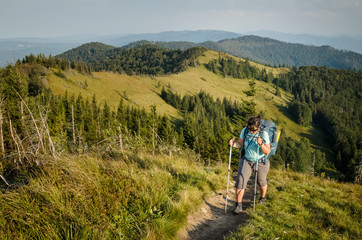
<point x="246" y="168"/>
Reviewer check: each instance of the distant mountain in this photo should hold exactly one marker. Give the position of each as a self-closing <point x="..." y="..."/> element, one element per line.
<point x="349" y="43"/>
<point x="169" y="36"/>
<point x="262" y="50"/>
<point x="17" y="48"/>
<point x="274" y="52"/>
<point x="13" y="49"/>
<point x="140" y="58"/>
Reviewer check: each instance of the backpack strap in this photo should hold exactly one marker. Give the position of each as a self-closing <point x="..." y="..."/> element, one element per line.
<point x="245" y="134"/>
<point x="265" y="158"/>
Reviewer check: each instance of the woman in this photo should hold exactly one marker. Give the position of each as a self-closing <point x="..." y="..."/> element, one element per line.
<point x="257" y="145"/>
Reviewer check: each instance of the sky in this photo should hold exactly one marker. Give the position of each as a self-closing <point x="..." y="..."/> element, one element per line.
<point x="54" y="18"/>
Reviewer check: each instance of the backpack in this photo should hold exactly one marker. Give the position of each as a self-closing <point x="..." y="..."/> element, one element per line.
<point x="274" y="135"/>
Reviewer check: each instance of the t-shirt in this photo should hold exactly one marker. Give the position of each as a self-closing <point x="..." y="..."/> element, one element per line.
<point x="251" y="145"/>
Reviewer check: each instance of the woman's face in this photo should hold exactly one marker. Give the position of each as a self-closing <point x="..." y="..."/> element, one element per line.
<point x="253" y="129"/>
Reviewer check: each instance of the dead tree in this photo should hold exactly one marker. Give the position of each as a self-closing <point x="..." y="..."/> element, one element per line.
<point x="33" y="119"/>
<point x="15" y="141"/>
<point x="46" y="128"/>
<point x="73" y="127"/>
<point x="1" y="128"/>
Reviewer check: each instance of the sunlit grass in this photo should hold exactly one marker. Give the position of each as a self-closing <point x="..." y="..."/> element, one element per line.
<point x="305" y="207"/>
<point x="97" y="197"/>
<point x="144" y="91"/>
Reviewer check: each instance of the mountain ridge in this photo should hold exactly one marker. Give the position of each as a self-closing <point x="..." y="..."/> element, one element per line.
<point x="262" y="50"/>
<point x="12" y="49"/>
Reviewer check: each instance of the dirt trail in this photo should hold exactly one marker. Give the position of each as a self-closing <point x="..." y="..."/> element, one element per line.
<point x="210" y="221"/>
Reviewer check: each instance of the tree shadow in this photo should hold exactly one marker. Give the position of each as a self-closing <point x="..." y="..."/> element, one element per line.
<point x="318" y="141"/>
<point x="284" y="110"/>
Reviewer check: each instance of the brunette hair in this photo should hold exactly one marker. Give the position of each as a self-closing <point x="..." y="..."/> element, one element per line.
<point x="254" y="122"/>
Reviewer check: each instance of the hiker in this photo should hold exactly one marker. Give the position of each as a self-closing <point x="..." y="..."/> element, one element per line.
<point x="251" y="141"/>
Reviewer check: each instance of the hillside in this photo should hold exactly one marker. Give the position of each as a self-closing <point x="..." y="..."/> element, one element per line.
<point x="126" y="195"/>
<point x="276" y="53"/>
<point x="108" y="195"/>
<point x="216" y="74"/>
<point x="144" y="91"/>
<point x="272" y="52"/>
<point x="106" y="155"/>
<point x="13" y="49"/>
<point x="262" y="50"/>
<point x="167" y="73"/>
<point x="143" y="59"/>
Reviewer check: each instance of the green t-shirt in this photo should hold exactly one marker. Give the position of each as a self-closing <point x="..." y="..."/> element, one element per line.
<point x="251" y="145"/>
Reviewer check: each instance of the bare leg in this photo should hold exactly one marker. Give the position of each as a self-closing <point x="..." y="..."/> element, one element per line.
<point x="239" y="194"/>
<point x="263" y="190"/>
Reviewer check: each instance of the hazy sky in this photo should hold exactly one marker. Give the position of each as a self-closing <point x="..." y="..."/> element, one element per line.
<point x="50" y="18"/>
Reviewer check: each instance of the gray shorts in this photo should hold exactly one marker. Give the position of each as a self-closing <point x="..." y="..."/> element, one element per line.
<point x="246" y="168"/>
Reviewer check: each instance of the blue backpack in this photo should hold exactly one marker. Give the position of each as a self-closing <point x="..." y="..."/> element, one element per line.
<point x="274" y="135"/>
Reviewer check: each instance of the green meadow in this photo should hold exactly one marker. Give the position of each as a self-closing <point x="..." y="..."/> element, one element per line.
<point x="300" y="206"/>
<point x="109" y="193"/>
<point x="144" y="91"/>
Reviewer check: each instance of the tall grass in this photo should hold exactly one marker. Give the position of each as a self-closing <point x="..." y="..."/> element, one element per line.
<point x="126" y="196"/>
<point x="304" y="207"/>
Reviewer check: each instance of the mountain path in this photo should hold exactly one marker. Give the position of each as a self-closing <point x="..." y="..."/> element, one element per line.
<point x="210" y="221"/>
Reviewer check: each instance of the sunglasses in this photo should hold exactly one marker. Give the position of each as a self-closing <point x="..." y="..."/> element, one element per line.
<point x="253" y="129"/>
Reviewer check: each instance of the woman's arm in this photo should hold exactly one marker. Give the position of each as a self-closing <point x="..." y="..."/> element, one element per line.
<point x="239" y="144"/>
<point x="265" y="148"/>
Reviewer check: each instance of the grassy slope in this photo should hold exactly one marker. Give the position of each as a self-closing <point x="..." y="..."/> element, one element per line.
<point x="135" y="196"/>
<point x="138" y="196"/>
<point x="304" y="207"/>
<point x="129" y="196"/>
<point x="143" y="91"/>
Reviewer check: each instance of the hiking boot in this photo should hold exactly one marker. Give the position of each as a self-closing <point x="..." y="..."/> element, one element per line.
<point x="261" y="201"/>
<point x="238" y="208"/>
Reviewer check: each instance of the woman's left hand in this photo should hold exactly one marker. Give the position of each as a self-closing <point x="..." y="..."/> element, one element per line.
<point x="259" y="141"/>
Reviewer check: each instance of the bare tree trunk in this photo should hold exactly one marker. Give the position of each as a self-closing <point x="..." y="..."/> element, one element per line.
<point x="153" y="140"/>
<point x="20" y="142"/>
<point x="26" y="130"/>
<point x="153" y="130"/>
<point x="73" y="128"/>
<point x="1" y="129"/>
<point x="32" y="117"/>
<point x="14" y="139"/>
<point x="45" y="125"/>
<point x="2" y="137"/>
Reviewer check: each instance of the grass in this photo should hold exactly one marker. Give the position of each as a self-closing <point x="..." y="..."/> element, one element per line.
<point x="300" y="206"/>
<point x="127" y="196"/>
<point x="144" y="91"/>
<point x="124" y="195"/>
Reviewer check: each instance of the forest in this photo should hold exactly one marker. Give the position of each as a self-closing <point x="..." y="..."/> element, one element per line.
<point x="35" y="123"/>
<point x="274" y="53"/>
<point x="329" y="98"/>
<point x="141" y="59"/>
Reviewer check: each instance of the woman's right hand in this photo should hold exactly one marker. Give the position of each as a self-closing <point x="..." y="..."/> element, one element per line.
<point x="231" y="141"/>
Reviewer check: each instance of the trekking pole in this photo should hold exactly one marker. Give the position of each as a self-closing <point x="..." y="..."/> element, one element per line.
<point x="256" y="177"/>
<point x="227" y="188"/>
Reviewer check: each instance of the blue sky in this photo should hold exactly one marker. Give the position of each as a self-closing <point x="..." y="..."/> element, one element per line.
<point x="52" y="18"/>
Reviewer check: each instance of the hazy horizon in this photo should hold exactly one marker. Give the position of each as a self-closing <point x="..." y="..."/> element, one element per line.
<point x="62" y="18"/>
